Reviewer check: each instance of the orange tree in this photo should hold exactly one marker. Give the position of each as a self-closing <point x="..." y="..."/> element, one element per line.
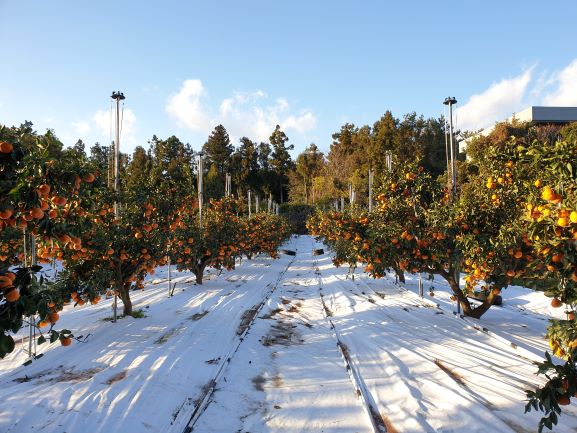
<point x="119" y="249"/>
<point x="551" y="221"/>
<point x="345" y="233"/>
<point x="262" y="233"/>
<point x="494" y="246"/>
<point x="415" y="228"/>
<point x="215" y="244"/>
<point x="39" y="184"/>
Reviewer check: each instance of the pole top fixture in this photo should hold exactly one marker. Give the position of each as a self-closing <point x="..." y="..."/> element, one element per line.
<point x="450" y="100"/>
<point x="119" y="96"/>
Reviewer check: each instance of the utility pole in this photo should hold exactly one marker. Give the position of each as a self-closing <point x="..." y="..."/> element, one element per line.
<point x="117" y="96"/>
<point x="200" y="187"/>
<point x="249" y="203"/>
<point x="450" y="101"/>
<point x="370" y="189"/>
<point x="389" y="160"/>
<point x="227" y="184"/>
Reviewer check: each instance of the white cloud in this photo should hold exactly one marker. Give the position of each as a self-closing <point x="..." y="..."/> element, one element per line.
<point x="82" y="127"/>
<point x="496" y="103"/>
<point x="565" y="93"/>
<point x="186" y="107"/>
<point x="243" y="114"/>
<point x="104" y="122"/>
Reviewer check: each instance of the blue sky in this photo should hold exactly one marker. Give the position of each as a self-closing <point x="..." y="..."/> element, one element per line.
<point x="310" y="66"/>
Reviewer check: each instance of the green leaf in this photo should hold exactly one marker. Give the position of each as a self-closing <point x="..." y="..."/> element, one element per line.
<point x="41" y="339"/>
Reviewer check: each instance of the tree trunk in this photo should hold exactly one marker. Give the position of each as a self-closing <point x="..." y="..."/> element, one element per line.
<point x="468" y="309"/>
<point x="124" y="295"/>
<point x="199" y="271"/>
<point x="484" y="307"/>
<point x="400" y="275"/>
<point x="449" y="276"/>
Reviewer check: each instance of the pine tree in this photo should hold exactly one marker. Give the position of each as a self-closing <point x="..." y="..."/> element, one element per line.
<point x="138" y="173"/>
<point x="309" y="164"/>
<point x="218" y="149"/>
<point x="246" y="166"/>
<point x="384" y="139"/>
<point x="171" y="171"/>
<point x="281" y="161"/>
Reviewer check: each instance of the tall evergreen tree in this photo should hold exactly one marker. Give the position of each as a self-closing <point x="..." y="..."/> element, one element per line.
<point x="281" y="161"/>
<point x="171" y="170"/>
<point x="218" y="149"/>
<point x="139" y="169"/>
<point x="309" y="164"/>
<point x="246" y="166"/>
<point x="99" y="156"/>
<point x="384" y="139"/>
<point x="266" y="177"/>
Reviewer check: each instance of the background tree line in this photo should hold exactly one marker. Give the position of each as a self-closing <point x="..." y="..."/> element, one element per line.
<point x="355" y="150"/>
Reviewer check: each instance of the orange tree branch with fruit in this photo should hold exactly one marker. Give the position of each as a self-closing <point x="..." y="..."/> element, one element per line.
<point x="262" y="234"/>
<point x="39" y="182"/>
<point x="344" y="232"/>
<point x="551" y="222"/>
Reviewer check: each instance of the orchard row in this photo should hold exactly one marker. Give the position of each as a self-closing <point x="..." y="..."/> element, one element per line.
<point x="514" y="220"/>
<point x="56" y="206"/>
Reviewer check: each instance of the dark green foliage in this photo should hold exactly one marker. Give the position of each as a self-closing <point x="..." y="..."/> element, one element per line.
<point x="218" y="149"/>
<point x="297" y="216"/>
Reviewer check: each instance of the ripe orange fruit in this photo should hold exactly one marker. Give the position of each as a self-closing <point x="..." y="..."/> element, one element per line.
<point x="44" y="189"/>
<point x="53" y="317"/>
<point x="573" y="217"/>
<point x="563" y="222"/>
<point x="37" y="213"/>
<point x="557" y="258"/>
<point x="12" y="296"/>
<point x="6" y="213"/>
<point x="6" y="147"/>
<point x="59" y="201"/>
<point x="563" y="400"/>
<point x="5" y="281"/>
<point x="89" y="178"/>
<point x="66" y="341"/>
<point x="518" y="254"/>
<point x="43" y="323"/>
<point x="547" y="193"/>
<point x="556" y="303"/>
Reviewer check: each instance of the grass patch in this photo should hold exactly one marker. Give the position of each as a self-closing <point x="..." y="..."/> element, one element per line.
<point x="137" y="314"/>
